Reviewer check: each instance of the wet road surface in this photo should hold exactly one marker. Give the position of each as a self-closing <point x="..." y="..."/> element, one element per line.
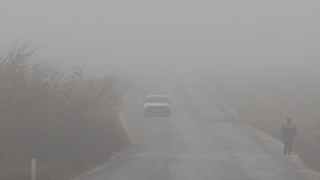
<point x="200" y="140"/>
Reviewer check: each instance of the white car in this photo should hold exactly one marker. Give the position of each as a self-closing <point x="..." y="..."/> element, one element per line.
<point x="157" y="104"/>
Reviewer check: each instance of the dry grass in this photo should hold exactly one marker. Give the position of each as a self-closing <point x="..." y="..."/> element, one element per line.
<point x="68" y="124"/>
<point x="266" y="103"/>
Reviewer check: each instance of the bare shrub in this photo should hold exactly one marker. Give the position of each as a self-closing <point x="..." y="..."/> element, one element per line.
<point x="68" y="124"/>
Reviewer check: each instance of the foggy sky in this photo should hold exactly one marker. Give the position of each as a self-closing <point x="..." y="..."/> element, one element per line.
<point x="229" y="37"/>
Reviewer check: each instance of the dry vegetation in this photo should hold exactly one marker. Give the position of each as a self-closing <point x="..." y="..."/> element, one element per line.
<point x="68" y="124"/>
<point x="265" y="103"/>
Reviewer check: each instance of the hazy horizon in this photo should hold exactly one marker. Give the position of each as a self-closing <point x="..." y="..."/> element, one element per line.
<point x="251" y="38"/>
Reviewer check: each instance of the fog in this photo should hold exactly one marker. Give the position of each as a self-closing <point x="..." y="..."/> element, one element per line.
<point x="233" y="72"/>
<point x="248" y="38"/>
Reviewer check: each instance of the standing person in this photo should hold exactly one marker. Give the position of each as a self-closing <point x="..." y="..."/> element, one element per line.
<point x="288" y="132"/>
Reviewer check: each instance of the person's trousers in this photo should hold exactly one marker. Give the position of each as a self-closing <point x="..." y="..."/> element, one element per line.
<point x="287" y="145"/>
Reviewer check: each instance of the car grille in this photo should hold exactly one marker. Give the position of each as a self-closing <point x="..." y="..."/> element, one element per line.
<point x="156" y="107"/>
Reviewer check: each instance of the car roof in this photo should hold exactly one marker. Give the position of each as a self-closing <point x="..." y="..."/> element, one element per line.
<point x="156" y="95"/>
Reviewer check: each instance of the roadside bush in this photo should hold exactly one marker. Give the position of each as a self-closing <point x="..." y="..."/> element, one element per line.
<point x="68" y="124"/>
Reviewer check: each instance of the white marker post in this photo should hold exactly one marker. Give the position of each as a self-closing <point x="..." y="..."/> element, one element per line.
<point x="33" y="169"/>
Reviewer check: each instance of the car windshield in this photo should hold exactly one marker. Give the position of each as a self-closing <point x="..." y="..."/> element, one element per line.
<point x="157" y="99"/>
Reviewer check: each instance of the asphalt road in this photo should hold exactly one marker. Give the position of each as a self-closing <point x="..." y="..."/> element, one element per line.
<point x="200" y="140"/>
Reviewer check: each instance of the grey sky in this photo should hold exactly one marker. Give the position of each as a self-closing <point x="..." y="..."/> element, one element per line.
<point x="240" y="37"/>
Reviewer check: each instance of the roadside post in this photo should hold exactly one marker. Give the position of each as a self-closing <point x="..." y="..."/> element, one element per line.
<point x="33" y="168"/>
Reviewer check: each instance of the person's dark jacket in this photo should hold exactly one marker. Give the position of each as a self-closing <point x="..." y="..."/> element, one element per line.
<point x="288" y="131"/>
